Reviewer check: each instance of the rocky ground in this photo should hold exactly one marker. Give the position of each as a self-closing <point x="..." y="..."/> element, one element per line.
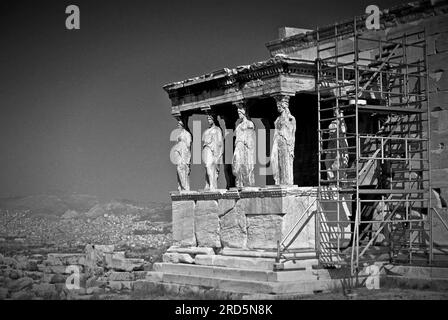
<point x="99" y="271"/>
<point x="36" y="248"/>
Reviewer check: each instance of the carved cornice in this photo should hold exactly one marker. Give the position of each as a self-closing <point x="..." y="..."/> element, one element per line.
<point x="236" y="78"/>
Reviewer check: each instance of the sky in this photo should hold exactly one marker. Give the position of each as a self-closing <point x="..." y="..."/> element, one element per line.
<point x="83" y="111"/>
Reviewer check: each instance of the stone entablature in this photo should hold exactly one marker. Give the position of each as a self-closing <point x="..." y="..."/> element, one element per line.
<point x="254" y="220"/>
<point x="278" y="75"/>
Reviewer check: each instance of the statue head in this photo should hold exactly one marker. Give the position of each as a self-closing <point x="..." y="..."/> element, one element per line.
<point x="337" y="113"/>
<point x="242" y="112"/>
<point x="280" y="108"/>
<point x="211" y="119"/>
<point x="182" y="122"/>
<point x="282" y="104"/>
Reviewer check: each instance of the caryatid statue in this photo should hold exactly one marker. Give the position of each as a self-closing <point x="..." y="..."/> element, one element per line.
<point x="337" y="154"/>
<point x="282" y="155"/>
<point x="244" y="155"/>
<point x="182" y="155"/>
<point x="212" y="150"/>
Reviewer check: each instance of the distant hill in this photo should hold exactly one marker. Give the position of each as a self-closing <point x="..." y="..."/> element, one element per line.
<point x="81" y="205"/>
<point x="53" y="205"/>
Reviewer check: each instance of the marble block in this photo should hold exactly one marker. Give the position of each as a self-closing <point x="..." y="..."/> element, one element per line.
<point x="263" y="231"/>
<point x="206" y="223"/>
<point x="183" y="223"/>
<point x="234" y="229"/>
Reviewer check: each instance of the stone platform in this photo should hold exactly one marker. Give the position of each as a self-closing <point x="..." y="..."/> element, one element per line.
<point x="253" y="219"/>
<point x="243" y="277"/>
<point x="241" y="272"/>
<point x="227" y="240"/>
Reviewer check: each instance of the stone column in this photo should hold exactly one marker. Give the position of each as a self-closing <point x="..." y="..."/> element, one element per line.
<point x="181" y="153"/>
<point x="244" y="156"/>
<point x="212" y="151"/>
<point x="282" y="155"/>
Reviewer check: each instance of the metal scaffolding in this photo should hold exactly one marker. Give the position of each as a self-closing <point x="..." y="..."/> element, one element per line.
<point x="373" y="148"/>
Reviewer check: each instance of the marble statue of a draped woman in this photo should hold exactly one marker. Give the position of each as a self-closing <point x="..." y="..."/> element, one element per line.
<point x="244" y="155"/>
<point x="212" y="151"/>
<point x="282" y="155"/>
<point x="182" y="156"/>
<point x="337" y="159"/>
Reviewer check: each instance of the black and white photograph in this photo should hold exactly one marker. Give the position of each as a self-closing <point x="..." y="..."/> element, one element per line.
<point x="223" y="156"/>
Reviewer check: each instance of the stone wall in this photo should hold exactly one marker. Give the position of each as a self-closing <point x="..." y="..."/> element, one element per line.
<point x="244" y="220"/>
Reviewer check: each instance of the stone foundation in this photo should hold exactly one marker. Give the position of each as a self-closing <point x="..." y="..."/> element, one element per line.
<point x="254" y="219"/>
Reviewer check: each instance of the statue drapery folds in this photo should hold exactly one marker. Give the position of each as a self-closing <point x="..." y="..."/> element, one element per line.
<point x="212" y="151"/>
<point x="182" y="155"/>
<point x="244" y="155"/>
<point x="282" y="155"/>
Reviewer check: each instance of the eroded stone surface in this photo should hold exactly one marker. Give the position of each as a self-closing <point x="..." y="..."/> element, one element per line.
<point x="175" y="257"/>
<point x="121" y="276"/>
<point x="45" y="290"/>
<point x="191" y="250"/>
<point x="95" y="254"/>
<point x="263" y="231"/>
<point x="225" y="205"/>
<point x="234" y="229"/>
<point x="249" y="206"/>
<point x="258" y="205"/>
<point x="65" y="259"/>
<point x="207" y="224"/>
<point x="184" y="223"/>
<point x="296" y="208"/>
<point x="126" y="264"/>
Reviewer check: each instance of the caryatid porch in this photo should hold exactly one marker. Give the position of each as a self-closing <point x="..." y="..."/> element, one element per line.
<point x="255" y="217"/>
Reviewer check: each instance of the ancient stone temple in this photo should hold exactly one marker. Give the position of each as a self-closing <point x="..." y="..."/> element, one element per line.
<point x="245" y="216"/>
<point x="327" y="116"/>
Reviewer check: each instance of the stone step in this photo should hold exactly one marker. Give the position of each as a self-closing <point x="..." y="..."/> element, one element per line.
<point x="417" y="272"/>
<point x="235" y="262"/>
<point x="250" y="286"/>
<point x="147" y="288"/>
<point x="302" y="254"/>
<point x="236" y="273"/>
<point x="191" y="250"/>
<point x="251" y="263"/>
<point x="306" y="264"/>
